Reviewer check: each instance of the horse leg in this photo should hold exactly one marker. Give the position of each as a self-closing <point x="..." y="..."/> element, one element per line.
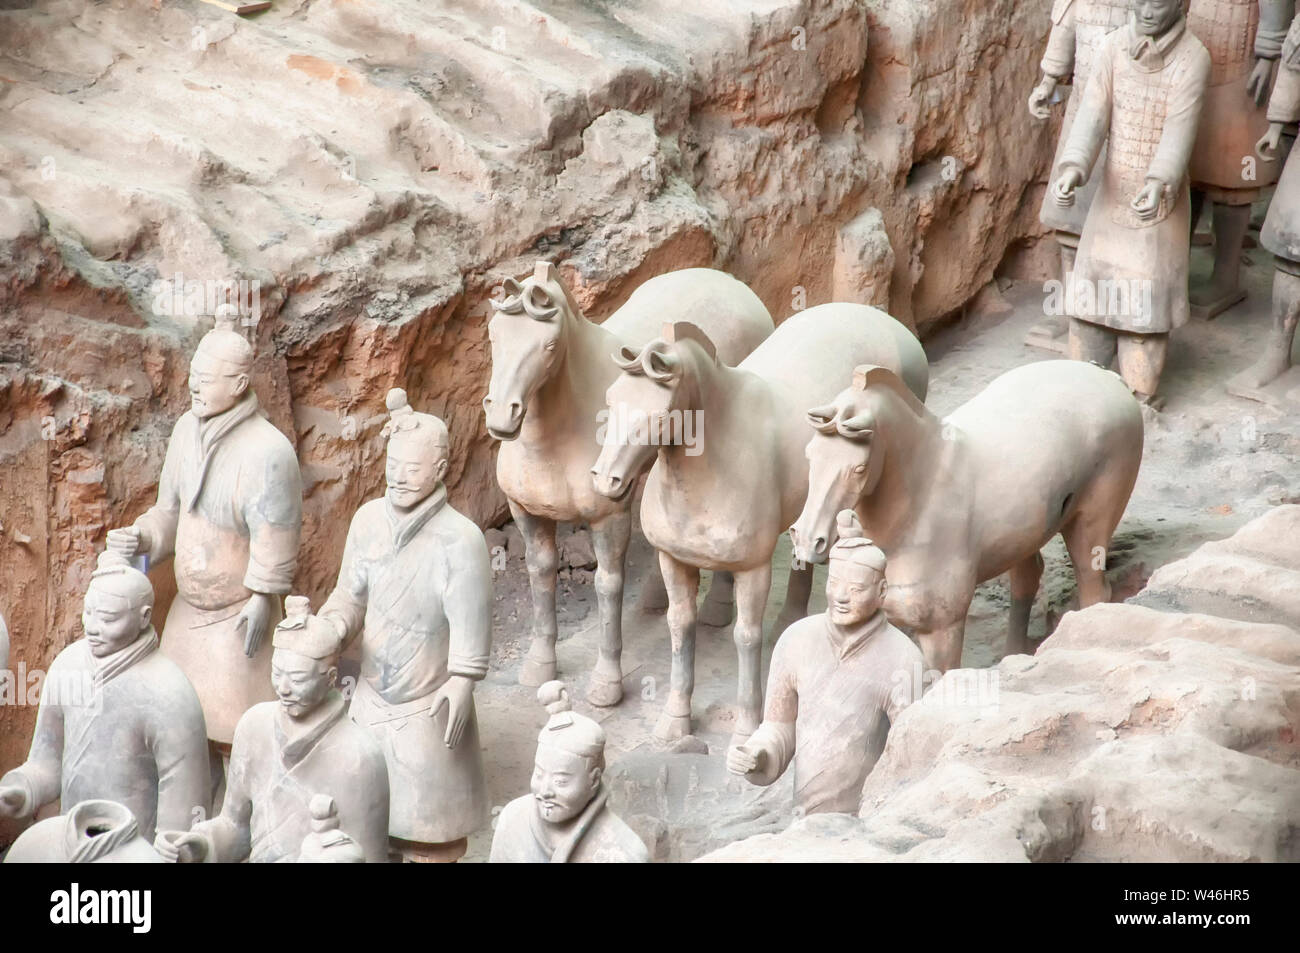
<point x="798" y="591"/>
<point x="543" y="560"/>
<point x="719" y="603"/>
<point x="941" y="647"/>
<point x="683" y="585"/>
<point x="752" y="587"/>
<point x="1087" y="537"/>
<point x="610" y="537"/>
<point x="654" y="597"/>
<point x="1025" y="576"/>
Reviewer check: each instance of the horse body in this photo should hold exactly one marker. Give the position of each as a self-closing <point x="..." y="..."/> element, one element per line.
<point x="725" y="507"/>
<point x="1052" y="447"/>
<point x="550" y="369"/>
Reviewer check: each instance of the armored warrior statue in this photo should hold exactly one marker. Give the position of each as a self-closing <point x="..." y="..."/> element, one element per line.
<point x="837" y="681"/>
<point x="1078" y="27"/>
<point x="117" y="721"/>
<point x="230" y="511"/>
<point x="566" y="819"/>
<point x="416" y="585"/>
<point x="1271" y="378"/>
<point x="285" y="755"/>
<point x="1130" y="280"/>
<point x="1244" y="38"/>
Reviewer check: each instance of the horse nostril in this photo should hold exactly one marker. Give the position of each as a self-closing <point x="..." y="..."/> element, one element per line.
<point x="819" y="545"/>
<point x="487" y="403"/>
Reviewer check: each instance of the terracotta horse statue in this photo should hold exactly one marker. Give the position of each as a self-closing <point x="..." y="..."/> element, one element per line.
<point x="546" y="403"/>
<point x="1050" y="447"/>
<point x="724" y="503"/>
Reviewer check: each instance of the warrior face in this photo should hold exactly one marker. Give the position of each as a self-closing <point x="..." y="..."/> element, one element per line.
<point x="215" y="385"/>
<point x="111" y="620"/>
<point x="415" y="468"/>
<point x="853" y="592"/>
<point x="1154" y="17"/>
<point x="563" y="783"/>
<point x="301" y="683"/>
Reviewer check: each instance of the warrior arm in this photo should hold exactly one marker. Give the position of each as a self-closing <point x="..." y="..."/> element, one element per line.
<point x="159" y="522"/>
<point x="346" y="606"/>
<point x="1058" y="58"/>
<point x="227" y="836"/>
<point x="180" y="749"/>
<point x="1274" y="18"/>
<point x="1169" y="164"/>
<point x="1284" y="104"/>
<point x="1091" y="124"/>
<point x="272" y="510"/>
<point x="468" y="604"/>
<point x="41" y="776"/>
<point x="775" y="737"/>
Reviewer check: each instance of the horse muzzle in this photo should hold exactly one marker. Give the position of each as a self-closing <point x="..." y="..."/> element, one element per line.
<point x="504" y="420"/>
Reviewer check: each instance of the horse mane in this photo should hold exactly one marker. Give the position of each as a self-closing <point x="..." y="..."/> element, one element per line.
<point x="871" y="375"/>
<point x="541" y="295"/>
<point x="674" y="331"/>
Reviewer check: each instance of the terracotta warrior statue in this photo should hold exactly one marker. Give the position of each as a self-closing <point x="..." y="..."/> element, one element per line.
<point x="1244" y="38"/>
<point x="416" y="585"/>
<point x="1078" y="27"/>
<point x="838" y="680"/>
<point x="288" y="752"/>
<point x="566" y="819"/>
<point x="1129" y="287"/>
<point x="92" y="832"/>
<point x="1271" y="378"/>
<point x="118" y="720"/>
<point x="229" y="511"/>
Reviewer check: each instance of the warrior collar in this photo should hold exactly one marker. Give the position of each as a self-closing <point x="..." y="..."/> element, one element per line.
<point x="406" y="524"/>
<point x="295" y="739"/>
<point x="210" y="433"/>
<point x="847" y="641"/>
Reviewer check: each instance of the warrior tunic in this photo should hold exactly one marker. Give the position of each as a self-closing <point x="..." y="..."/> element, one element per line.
<point x="596" y="836"/>
<point x="125" y="728"/>
<point x="1223" y="159"/>
<point x="230" y="510"/>
<point x="277" y="764"/>
<point x="418" y="585"/>
<point x="1148" y="106"/>
<point x="1078" y="27"/>
<point x="1281" y="232"/>
<point x="830" y="702"/>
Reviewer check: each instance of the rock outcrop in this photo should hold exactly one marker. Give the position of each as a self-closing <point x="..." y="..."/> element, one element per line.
<point x="1161" y="729"/>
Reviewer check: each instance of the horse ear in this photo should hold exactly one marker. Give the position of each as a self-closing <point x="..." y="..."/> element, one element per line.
<point x="660" y="366"/>
<point x="856" y="428"/>
<point x="509" y="302"/>
<point x="822" y="418"/>
<point x="538" y="303"/>
<point x="627" y="360"/>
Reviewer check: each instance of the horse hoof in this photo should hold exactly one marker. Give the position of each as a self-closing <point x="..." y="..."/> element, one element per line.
<point x="536" y="673"/>
<point x="604" y="694"/>
<point x="672" y="727"/>
<point x="716" y="614"/>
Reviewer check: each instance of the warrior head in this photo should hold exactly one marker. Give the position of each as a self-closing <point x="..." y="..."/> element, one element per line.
<point x="304" y="665"/>
<point x="855" y="583"/>
<point x="118" y="608"/>
<point x="570" y="758"/>
<point x="1155" y="17"/>
<point x="219" y="371"/>
<point x="418" y="447"/>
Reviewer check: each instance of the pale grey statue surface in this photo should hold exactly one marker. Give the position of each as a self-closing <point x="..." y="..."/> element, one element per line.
<point x="117" y="720"/>
<point x="723" y="504"/>
<point x="415" y="585"/>
<point x="566" y="819"/>
<point x="550" y="371"/>
<point x="1046" y="448"/>
<point x="92" y="832"/>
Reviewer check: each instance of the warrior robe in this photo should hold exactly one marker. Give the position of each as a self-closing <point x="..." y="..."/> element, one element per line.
<point x="418" y="586"/>
<point x="596" y="836"/>
<point x="1078" y="27"/>
<point x="830" y="702"/>
<point x="230" y="510"/>
<point x="1281" y="232"/>
<point x="1234" y="32"/>
<point x="125" y="728"/>
<point x="69" y="839"/>
<point x="1148" y="107"/>
<point x="277" y="764"/>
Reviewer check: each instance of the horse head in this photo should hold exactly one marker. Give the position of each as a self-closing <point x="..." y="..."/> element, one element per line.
<point x="527" y="337"/>
<point x="645" y="406"/>
<point x="844" y="461"/>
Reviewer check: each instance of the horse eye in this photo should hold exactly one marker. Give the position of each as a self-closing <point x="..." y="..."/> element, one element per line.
<point x="860" y="468"/>
<point x="550" y="345"/>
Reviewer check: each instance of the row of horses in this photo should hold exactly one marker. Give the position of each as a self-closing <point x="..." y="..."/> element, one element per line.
<point x="1049" y="447"/>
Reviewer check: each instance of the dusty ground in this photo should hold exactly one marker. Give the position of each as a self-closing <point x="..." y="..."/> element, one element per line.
<point x="1211" y="463"/>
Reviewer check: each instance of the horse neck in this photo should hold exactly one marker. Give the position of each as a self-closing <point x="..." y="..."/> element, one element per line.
<point x="912" y="444"/>
<point x="575" y="392"/>
<point x="723" y="396"/>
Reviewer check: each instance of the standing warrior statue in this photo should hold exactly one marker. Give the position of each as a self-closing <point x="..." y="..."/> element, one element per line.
<point x="117" y="720"/>
<point x="837" y="681"/>
<point x="1269" y="379"/>
<point x="416" y="583"/>
<point x="1244" y="38"/>
<point x="1144" y="96"/>
<point x="1078" y="27"/>
<point x="230" y="511"/>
